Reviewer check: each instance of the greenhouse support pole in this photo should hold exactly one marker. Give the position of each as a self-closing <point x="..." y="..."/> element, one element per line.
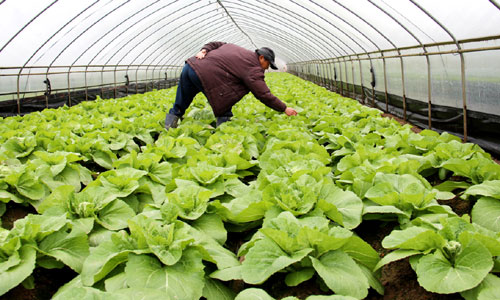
<point x="361" y="80"/>
<point x="429" y="91"/>
<point x="372" y="83"/>
<point x="464" y="95"/>
<point x="311" y="73"/>
<point x="153" y="79"/>
<point x="462" y="62"/>
<point x="316" y="74"/>
<point x="114" y="82"/>
<point x="159" y="77"/>
<point x="353" y="86"/>
<point x="86" y="84"/>
<point x="47" y="91"/>
<point x="127" y="82"/>
<point x="330" y="77"/>
<point x="317" y="77"/>
<point x="403" y="85"/>
<point x="320" y="72"/>
<point x="335" y="77"/>
<point x="136" y="80"/>
<point x="346" y="76"/>
<point x="146" y="82"/>
<point x="102" y="82"/>
<point x="167" y="84"/>
<point x="385" y="84"/>
<point x="323" y="71"/>
<point x="69" y="87"/>
<point x="18" y="95"/>
<point x="341" y="83"/>
<point x="127" y="78"/>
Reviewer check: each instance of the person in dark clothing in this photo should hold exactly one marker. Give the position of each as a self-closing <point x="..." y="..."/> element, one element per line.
<point x="225" y="73"/>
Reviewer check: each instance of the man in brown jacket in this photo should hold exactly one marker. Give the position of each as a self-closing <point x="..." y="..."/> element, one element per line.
<point x="225" y="73"/>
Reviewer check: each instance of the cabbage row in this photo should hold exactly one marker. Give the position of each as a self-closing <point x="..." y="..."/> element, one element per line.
<point x="141" y="213"/>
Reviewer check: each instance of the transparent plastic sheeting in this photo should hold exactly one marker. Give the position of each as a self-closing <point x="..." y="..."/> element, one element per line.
<point x="38" y="37"/>
<point x="90" y="32"/>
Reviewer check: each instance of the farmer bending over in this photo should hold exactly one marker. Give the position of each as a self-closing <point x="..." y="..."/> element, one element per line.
<point x="225" y="73"/>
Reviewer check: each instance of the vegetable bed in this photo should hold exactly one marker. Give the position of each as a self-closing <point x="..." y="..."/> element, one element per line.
<point x="100" y="202"/>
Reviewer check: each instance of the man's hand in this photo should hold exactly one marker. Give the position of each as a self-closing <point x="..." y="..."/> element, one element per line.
<point x="290" y="111"/>
<point x="201" y="54"/>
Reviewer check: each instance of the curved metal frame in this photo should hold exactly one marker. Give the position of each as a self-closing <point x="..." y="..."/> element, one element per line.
<point x="462" y="64"/>
<point x="240" y="15"/>
<point x="75" y="39"/>
<point x="253" y="24"/>
<point x="266" y="16"/>
<point x="331" y="44"/>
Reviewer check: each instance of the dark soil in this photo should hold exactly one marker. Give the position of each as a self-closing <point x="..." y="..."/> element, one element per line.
<point x="47" y="282"/>
<point x="13" y="212"/>
<point x="459" y="206"/>
<point x="398" y="278"/>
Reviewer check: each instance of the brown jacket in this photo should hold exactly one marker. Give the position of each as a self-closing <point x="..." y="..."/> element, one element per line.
<point x="228" y="72"/>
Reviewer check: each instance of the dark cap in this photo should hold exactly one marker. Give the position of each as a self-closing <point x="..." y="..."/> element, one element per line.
<point x="268" y="55"/>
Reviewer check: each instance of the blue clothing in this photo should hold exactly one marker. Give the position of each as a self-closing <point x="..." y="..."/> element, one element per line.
<point x="189" y="86"/>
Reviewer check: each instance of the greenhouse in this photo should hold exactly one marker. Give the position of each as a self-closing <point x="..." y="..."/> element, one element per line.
<point x="333" y="149"/>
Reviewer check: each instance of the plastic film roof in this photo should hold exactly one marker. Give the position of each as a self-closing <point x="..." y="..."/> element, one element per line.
<point x="163" y="32"/>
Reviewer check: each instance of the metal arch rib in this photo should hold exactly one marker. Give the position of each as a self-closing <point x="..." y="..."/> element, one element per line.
<point x="266" y="15"/>
<point x="183" y="37"/>
<point x="118" y="35"/>
<point x="228" y="26"/>
<point x="129" y="27"/>
<point x="492" y="2"/>
<point x="437" y="22"/>
<point x="191" y="45"/>
<point x="396" y="20"/>
<point x="175" y="58"/>
<point x="296" y="27"/>
<point x="253" y="22"/>
<point x="178" y="36"/>
<point x="286" y="10"/>
<point x="88" y="28"/>
<point x="233" y="14"/>
<point x="236" y="24"/>
<point x="157" y="30"/>
<point x="349" y="24"/>
<point x="462" y="64"/>
<point x="26" y="25"/>
<point x="160" y="27"/>
<point x="196" y="45"/>
<point x="278" y="37"/>
<point x="367" y="23"/>
<point x="59" y="30"/>
<point x="335" y="45"/>
<point x="196" y="35"/>
<point x="336" y="27"/>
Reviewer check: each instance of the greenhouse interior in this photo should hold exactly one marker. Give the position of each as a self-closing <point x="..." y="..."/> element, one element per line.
<point x="223" y="149"/>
